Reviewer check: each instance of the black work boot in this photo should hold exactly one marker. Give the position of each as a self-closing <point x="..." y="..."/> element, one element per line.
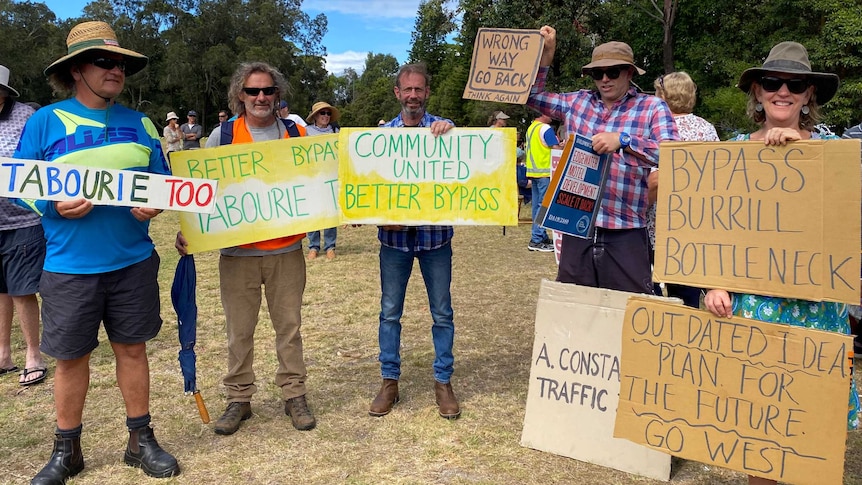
<point x="66" y="461"/>
<point x="145" y="453"/>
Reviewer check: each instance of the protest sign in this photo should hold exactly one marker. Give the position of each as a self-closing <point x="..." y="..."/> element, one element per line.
<point x="409" y="176"/>
<point x="766" y="399"/>
<point x="576" y="195"/>
<point x="574" y="381"/>
<point x="504" y="65"/>
<point x="768" y="220"/>
<point x="40" y="180"/>
<point x="266" y="190"/>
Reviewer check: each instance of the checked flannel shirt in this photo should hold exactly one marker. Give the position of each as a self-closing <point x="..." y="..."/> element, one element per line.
<point x="424" y="238"/>
<point x="646" y="118"/>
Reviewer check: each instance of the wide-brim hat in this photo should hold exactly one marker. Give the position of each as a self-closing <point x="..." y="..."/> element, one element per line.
<point x="96" y="36"/>
<point x="4" y="82"/>
<point x="323" y="105"/>
<point x="792" y="58"/>
<point x="612" y="54"/>
<point x="171" y="116"/>
<point x="501" y="116"/>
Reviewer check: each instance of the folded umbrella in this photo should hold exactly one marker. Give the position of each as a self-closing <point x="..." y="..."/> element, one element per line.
<point x="183" y="295"/>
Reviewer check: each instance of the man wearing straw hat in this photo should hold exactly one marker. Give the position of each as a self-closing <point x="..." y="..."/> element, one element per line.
<point x="113" y="281"/>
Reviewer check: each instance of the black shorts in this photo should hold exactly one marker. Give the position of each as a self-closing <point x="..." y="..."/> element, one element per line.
<point x="126" y="300"/>
<point x="614" y="259"/>
<point x="22" y="255"/>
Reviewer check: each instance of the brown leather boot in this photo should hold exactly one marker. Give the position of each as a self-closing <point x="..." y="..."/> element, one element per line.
<point x="386" y="398"/>
<point x="446" y="401"/>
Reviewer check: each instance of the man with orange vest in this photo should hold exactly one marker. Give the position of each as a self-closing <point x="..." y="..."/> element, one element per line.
<point x="277" y="263"/>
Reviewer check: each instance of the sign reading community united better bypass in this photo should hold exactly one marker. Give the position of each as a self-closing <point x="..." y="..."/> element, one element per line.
<point x="504" y="65"/>
<point x="408" y="176"/>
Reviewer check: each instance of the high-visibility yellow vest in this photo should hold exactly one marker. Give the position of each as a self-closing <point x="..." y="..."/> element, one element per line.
<point x="538" y="155"/>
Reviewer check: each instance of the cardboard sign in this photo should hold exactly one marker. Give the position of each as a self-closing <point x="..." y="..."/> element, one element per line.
<point x="409" y="176"/>
<point x="504" y="66"/>
<point x="40" y="180"/>
<point x="266" y="190"/>
<point x="766" y="399"/>
<point x="766" y="220"/>
<point x="576" y="195"/>
<point x="575" y="381"/>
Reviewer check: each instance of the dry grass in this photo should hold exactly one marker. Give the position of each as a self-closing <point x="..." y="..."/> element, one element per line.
<point x="495" y="286"/>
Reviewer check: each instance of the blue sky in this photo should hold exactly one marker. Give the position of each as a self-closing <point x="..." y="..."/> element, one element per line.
<point x="356" y="27"/>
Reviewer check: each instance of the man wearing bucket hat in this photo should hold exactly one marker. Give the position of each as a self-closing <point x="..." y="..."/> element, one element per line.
<point x="114" y="282"/>
<point x="22" y="252"/>
<point x="628" y="125"/>
<point x="322" y="121"/>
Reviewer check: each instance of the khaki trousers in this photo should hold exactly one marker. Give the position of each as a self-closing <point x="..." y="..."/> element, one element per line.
<point x="283" y="279"/>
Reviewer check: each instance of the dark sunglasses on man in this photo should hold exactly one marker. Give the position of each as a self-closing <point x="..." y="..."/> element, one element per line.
<point x="772" y="84"/>
<point x="107" y="63"/>
<point x="268" y="91"/>
<point x="612" y="72"/>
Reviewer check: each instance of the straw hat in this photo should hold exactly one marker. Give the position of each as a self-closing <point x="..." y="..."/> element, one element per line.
<point x="612" y="54"/>
<point x="792" y="58"/>
<point x="172" y="116"/>
<point x="4" y="81"/>
<point x="96" y="36"/>
<point x="323" y="105"/>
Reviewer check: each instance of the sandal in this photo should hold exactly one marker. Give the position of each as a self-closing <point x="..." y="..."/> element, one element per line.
<point x="8" y="370"/>
<point x="41" y="372"/>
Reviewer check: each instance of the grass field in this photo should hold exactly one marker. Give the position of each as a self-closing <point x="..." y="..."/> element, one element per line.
<point x="495" y="287"/>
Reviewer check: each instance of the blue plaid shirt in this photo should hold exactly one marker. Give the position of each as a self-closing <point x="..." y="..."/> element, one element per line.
<point x="416" y="238"/>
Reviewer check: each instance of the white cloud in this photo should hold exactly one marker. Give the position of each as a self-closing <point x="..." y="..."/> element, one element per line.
<point x="405" y="9"/>
<point x="337" y="63"/>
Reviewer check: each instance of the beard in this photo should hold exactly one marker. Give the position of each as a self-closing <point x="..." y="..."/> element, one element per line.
<point x="413" y="112"/>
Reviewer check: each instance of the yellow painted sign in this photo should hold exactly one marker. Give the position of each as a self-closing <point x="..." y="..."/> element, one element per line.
<point x="265" y="190"/>
<point x="765" y="399"/>
<point x="408" y="176"/>
<point x="780" y="221"/>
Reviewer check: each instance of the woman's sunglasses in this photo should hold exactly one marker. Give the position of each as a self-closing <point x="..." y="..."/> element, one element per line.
<point x="269" y="91"/>
<point x="772" y="84"/>
<point x="611" y="73"/>
<point x="325" y="113"/>
<point x="107" y="63"/>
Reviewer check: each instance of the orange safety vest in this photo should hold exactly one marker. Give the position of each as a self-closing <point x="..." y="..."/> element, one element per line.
<point x="242" y="135"/>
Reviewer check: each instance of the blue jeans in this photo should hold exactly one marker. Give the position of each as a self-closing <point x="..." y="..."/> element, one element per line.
<point x="328" y="239"/>
<point x="540" y="186"/>
<point x="395" y="269"/>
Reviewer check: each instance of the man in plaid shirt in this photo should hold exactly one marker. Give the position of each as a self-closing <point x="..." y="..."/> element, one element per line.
<point x="431" y="245"/>
<point x="629" y="125"/>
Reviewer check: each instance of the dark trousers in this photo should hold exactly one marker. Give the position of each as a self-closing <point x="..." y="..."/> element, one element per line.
<point x="616" y="259"/>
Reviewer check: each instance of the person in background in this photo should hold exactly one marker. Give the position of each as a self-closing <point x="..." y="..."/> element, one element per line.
<point x="285" y="114"/>
<point x="172" y="133"/>
<point x="540" y="140"/>
<point x="101" y="267"/>
<point x="381" y="123"/>
<point x="678" y="90"/>
<point x="498" y="119"/>
<point x="629" y="126"/>
<point x="322" y="121"/>
<point x="432" y="246"/>
<point x="275" y="266"/>
<point x="22" y="253"/>
<point x="223" y="116"/>
<point x="192" y="132"/>
<point x="784" y="98"/>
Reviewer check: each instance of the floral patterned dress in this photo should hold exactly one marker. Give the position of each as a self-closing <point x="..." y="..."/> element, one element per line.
<point x="819" y="315"/>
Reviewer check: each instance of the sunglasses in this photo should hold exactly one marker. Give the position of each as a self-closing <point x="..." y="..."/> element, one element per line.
<point x="255" y="91"/>
<point x="325" y="113"/>
<point x="772" y="84"/>
<point x="107" y="63"/>
<point x="611" y="73"/>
